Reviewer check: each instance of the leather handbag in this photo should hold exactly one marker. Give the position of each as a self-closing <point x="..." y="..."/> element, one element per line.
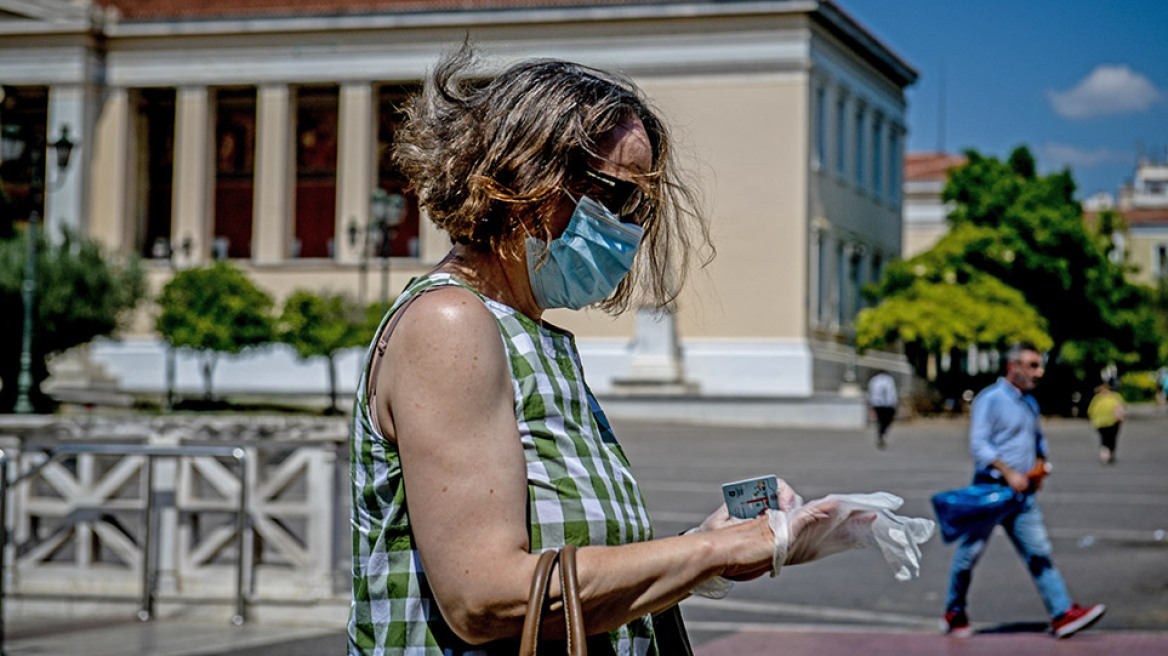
<point x="575" y="637"/>
<point x="670" y="633"/>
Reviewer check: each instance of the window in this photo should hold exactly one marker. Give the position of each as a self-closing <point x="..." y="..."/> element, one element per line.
<point x="894" y="165"/>
<point x="821" y="279"/>
<point x="154" y="126"/>
<point x="878" y="158"/>
<point x="235" y="112"/>
<point x="860" y="147"/>
<point x="820" y="126"/>
<point x="402" y="239"/>
<point x="841" y="134"/>
<point x="856" y="275"/>
<point x="1160" y="262"/>
<point x="841" y="284"/>
<point x="316" y="171"/>
<point x="25" y="109"/>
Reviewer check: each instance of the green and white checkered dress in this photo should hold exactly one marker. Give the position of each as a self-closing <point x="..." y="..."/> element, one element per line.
<point x="580" y="491"/>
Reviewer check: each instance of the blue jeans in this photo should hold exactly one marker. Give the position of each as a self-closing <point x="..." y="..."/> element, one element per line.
<point x="1028" y="534"/>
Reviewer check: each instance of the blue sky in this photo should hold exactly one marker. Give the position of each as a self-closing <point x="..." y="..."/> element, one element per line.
<point x="1082" y="83"/>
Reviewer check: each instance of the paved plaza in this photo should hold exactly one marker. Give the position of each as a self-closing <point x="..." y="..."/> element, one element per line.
<point x="1108" y="526"/>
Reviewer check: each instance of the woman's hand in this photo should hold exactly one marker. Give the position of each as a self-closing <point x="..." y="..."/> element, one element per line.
<point x="822" y="528"/>
<point x="721" y="518"/>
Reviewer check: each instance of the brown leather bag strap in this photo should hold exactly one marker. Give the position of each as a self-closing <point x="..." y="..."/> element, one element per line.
<point x="573" y="613"/>
<point x="529" y="643"/>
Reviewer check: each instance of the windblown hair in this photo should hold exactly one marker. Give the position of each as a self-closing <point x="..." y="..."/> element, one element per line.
<point x="489" y="157"/>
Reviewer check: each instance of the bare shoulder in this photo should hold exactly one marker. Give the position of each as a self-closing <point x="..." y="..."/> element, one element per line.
<point x="445" y="358"/>
<point x="447" y="338"/>
<point x="444" y="313"/>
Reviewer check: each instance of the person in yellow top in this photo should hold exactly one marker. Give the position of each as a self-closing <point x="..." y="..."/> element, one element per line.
<point x="1106" y="415"/>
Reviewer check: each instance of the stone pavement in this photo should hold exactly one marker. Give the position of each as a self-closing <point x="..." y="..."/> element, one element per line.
<point x="1106" y="524"/>
<point x="880" y="642"/>
<point x="176" y="638"/>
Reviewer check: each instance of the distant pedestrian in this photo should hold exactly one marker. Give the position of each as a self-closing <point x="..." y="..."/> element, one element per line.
<point x="1009" y="448"/>
<point x="1162" y="385"/>
<point x="882" y="398"/>
<point x="1106" y="414"/>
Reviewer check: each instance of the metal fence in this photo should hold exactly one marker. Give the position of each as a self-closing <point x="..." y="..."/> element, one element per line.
<point x="215" y="513"/>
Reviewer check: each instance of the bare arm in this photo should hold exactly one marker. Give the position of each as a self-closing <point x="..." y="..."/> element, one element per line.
<point x="448" y="384"/>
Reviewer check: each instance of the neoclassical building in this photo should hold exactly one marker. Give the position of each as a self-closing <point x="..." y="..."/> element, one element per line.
<point x="259" y="131"/>
<point x="1143" y="204"/>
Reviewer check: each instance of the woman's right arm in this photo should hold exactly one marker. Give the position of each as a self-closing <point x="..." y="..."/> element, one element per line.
<point x="447" y="383"/>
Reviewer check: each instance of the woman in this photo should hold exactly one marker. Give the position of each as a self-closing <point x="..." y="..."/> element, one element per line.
<point x="476" y="441"/>
<point x="1106" y="415"/>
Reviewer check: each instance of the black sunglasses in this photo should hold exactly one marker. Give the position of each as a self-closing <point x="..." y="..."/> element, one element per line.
<point x="624" y="198"/>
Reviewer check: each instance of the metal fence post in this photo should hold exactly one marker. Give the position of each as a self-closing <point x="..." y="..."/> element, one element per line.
<point x="3" y="542"/>
<point x="241" y="528"/>
<point x="146" y="607"/>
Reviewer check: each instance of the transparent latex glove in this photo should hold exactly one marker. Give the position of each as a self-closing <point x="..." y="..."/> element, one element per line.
<point x="718" y="587"/>
<point x="841" y="522"/>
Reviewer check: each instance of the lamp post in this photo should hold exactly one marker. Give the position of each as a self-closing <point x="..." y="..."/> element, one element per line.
<point x="12" y="146"/>
<point x="388" y="212"/>
<point x="363" y="262"/>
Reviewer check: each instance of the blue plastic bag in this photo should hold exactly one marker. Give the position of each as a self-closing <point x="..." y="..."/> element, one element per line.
<point x="974" y="508"/>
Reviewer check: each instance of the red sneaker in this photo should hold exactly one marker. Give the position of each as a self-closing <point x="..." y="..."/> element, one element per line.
<point x="957" y="624"/>
<point x="1076" y="619"/>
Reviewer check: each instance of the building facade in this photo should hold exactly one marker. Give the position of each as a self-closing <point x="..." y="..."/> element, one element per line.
<point x="1143" y="205"/>
<point x="259" y="131"/>
<point x="925" y="213"/>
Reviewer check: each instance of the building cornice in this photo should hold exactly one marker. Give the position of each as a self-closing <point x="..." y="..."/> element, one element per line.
<point x="455" y="18"/>
<point x="49" y="17"/>
<point x="845" y="28"/>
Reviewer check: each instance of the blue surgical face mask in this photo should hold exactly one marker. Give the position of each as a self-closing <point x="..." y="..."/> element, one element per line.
<point x="586" y="263"/>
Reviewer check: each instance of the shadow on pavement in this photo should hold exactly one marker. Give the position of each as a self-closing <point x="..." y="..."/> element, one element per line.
<point x="1017" y="627"/>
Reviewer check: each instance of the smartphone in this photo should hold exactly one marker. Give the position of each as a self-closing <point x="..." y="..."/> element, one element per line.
<point x="749" y="498"/>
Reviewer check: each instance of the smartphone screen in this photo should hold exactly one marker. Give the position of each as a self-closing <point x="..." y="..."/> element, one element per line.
<point x="749" y="498"/>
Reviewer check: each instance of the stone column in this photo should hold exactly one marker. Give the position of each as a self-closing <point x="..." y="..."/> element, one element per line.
<point x="191" y="205"/>
<point x="110" y="220"/>
<point x="356" y="152"/>
<point x="275" y="140"/>
<point x="70" y="108"/>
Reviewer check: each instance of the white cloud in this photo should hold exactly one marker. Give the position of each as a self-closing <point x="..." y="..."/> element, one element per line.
<point x="1108" y="89"/>
<point x="1057" y="156"/>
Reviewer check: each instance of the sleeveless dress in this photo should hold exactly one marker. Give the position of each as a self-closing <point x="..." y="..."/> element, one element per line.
<point x="580" y="491"/>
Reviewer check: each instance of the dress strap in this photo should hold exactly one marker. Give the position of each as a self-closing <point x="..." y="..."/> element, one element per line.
<point x="378" y="352"/>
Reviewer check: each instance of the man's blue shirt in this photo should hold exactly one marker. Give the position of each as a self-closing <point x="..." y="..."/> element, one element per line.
<point x="1004" y="426"/>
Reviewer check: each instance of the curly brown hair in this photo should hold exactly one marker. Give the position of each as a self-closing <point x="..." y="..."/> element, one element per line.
<point x="489" y="155"/>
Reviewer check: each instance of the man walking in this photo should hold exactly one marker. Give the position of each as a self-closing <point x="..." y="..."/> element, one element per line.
<point x="1009" y="448"/>
<point x="882" y="398"/>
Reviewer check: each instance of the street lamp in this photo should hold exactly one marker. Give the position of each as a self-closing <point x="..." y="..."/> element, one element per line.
<point x="12" y="146"/>
<point x="388" y="212"/>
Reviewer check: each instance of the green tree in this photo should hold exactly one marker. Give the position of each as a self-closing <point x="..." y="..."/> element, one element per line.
<point x="80" y="294"/>
<point x="943" y="307"/>
<point x="213" y="310"/>
<point x="1042" y="247"/>
<point x="1027" y="232"/>
<point x="322" y="326"/>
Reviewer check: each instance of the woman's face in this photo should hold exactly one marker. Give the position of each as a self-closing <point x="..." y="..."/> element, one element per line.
<point x="624" y="153"/>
